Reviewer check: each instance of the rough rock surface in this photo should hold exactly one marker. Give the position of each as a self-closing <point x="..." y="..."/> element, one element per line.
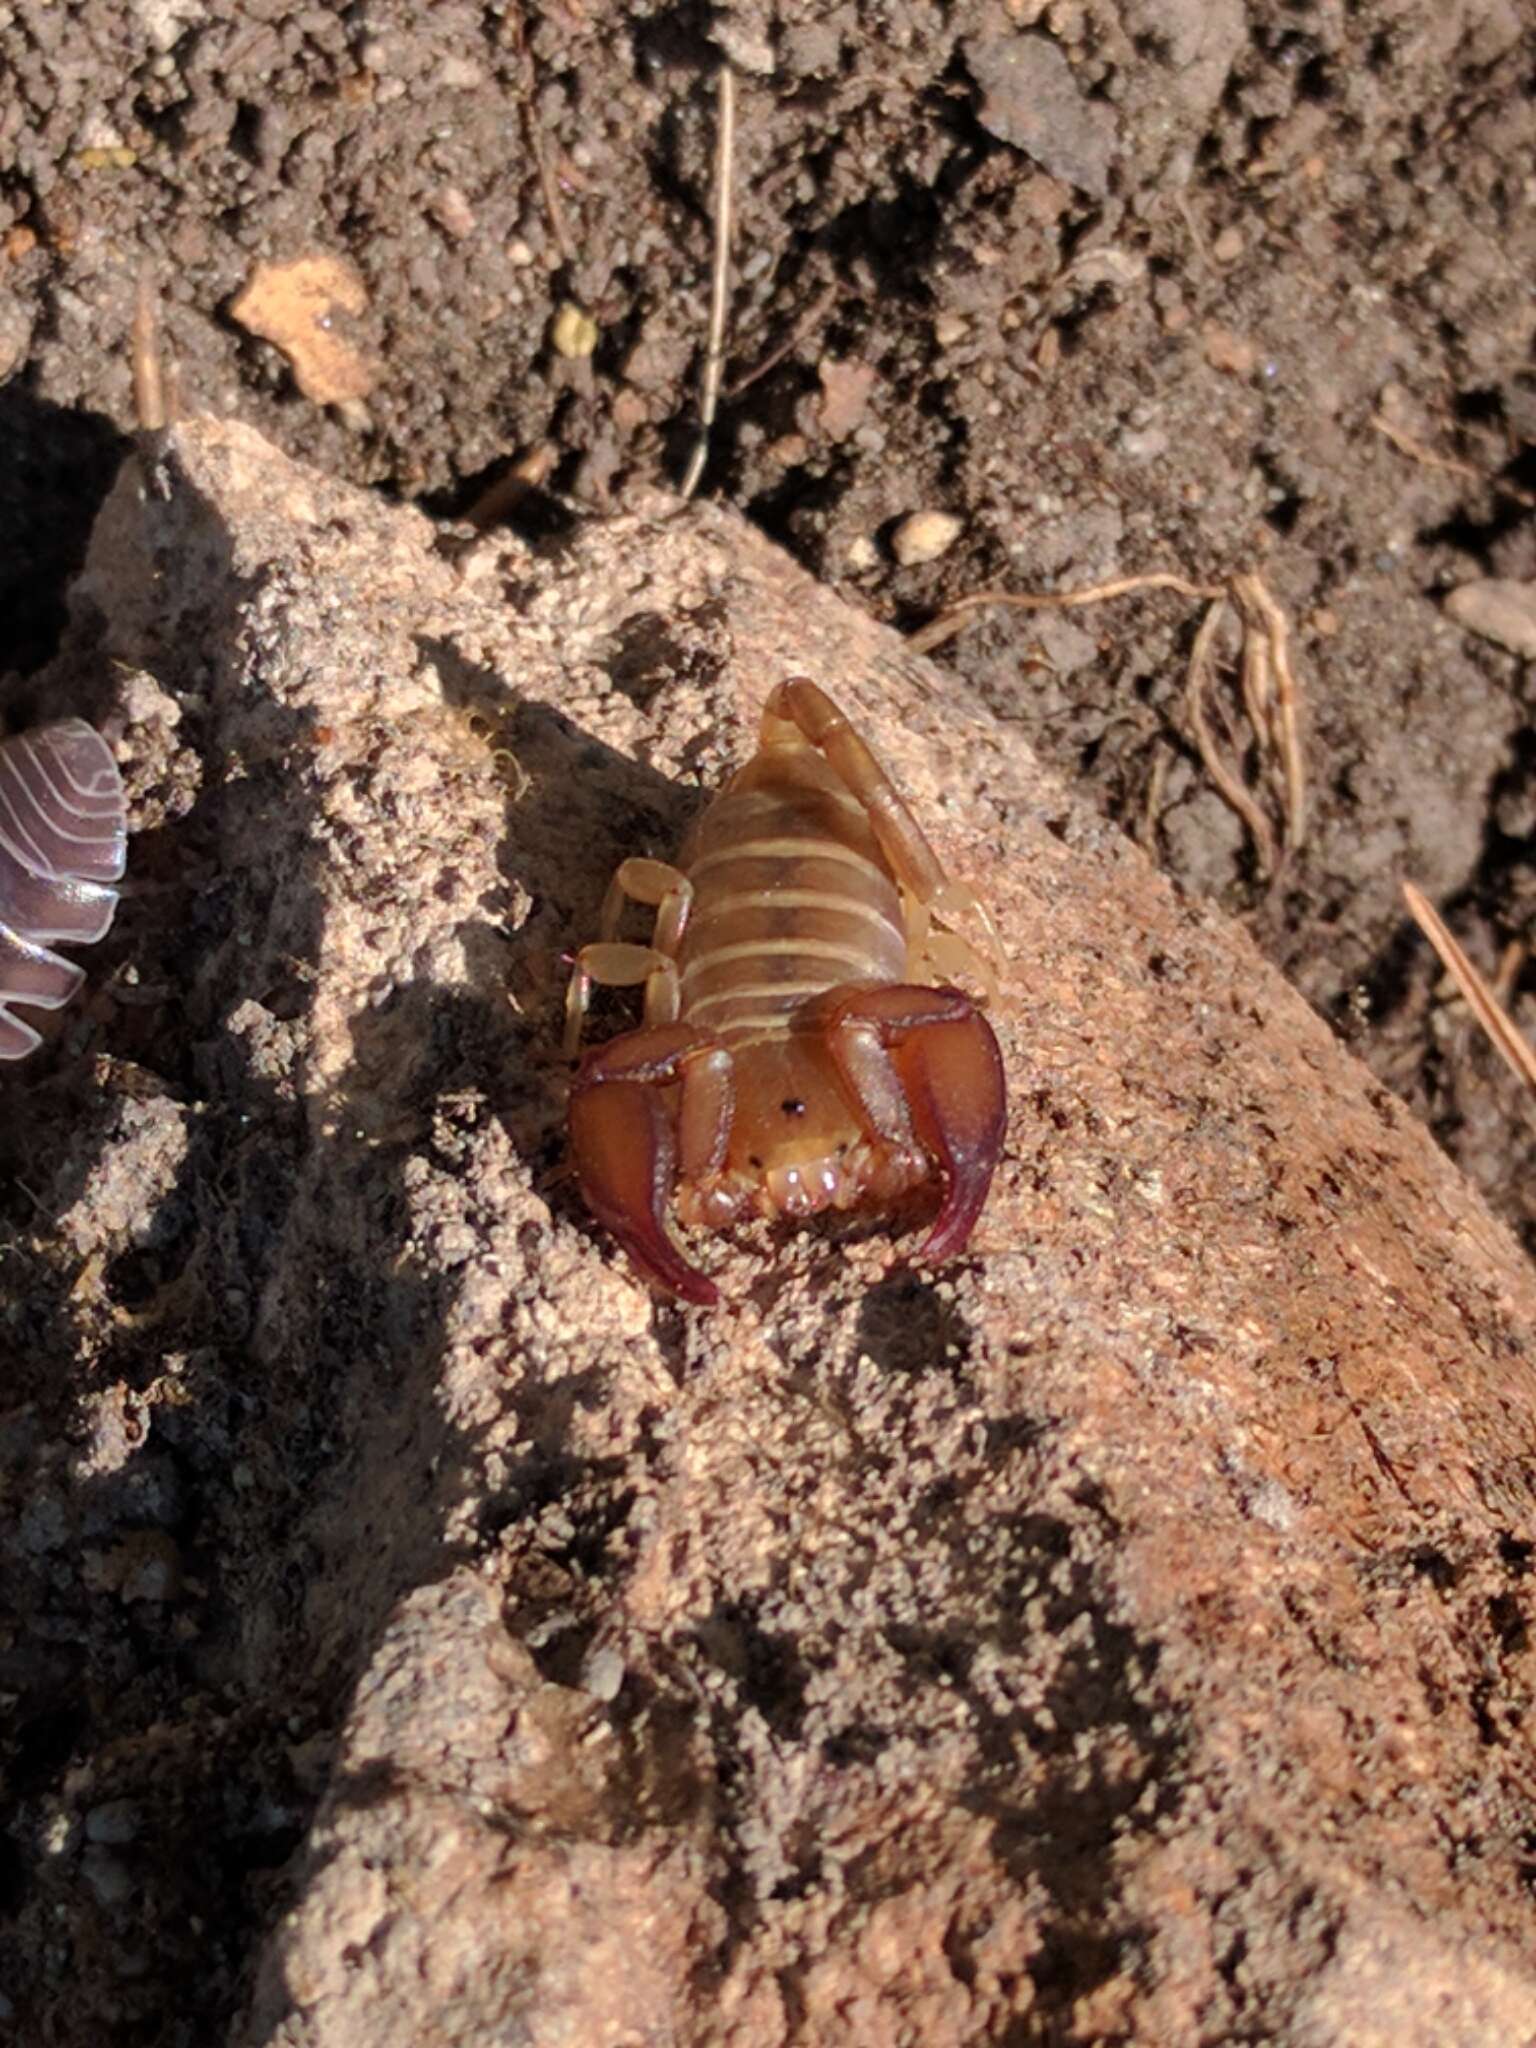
<point x="1122" y="1637"/>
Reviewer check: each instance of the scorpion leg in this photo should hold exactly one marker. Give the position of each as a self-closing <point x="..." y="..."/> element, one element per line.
<point x="663" y="888"/>
<point x="946" y="956"/>
<point x="667" y="890"/>
<point x="924" y="1062"/>
<point x="620" y="966"/>
<point x="625" y="1147"/>
<point x="807" y="709"/>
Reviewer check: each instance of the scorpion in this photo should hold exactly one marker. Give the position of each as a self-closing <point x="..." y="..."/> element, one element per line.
<point x="803" y="1046"/>
<point x="63" y="842"/>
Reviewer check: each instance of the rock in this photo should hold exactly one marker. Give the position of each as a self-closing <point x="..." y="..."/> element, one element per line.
<point x="1030" y="97"/>
<point x="924" y="536"/>
<point x="1500" y="610"/>
<point x="114" y="1822"/>
<point x="1124" y="1635"/>
<point x="108" y="1876"/>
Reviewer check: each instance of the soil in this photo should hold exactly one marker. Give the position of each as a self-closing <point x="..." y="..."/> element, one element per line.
<point x="1120" y="288"/>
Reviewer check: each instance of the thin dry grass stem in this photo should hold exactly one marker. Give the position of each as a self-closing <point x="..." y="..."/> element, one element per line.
<point x="720" y="279"/>
<point x="1270" y="692"/>
<point x="1511" y="965"/>
<point x="809" y="320"/>
<point x="1452" y="465"/>
<point x="536" y="144"/>
<point x="954" y="616"/>
<point x="1481" y="1000"/>
<point x="1229" y="786"/>
<point x="156" y="388"/>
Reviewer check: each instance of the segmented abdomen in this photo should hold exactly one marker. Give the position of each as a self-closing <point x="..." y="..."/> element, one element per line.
<point x="792" y="897"/>
<point x="63" y="840"/>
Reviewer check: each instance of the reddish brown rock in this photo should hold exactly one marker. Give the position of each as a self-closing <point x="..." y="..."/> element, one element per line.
<point x="1122" y="1637"/>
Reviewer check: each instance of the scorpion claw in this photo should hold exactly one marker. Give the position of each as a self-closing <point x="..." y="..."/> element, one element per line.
<point x="952" y="1076"/>
<point x="621" y="1140"/>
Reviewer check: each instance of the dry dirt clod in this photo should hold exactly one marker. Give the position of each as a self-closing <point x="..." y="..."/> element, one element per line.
<point x="845" y="391"/>
<point x="1030" y="97"/>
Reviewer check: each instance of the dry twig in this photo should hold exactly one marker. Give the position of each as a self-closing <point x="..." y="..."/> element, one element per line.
<point x="720" y="279"/>
<point x="1510" y="1045"/>
<point x="810" y="319"/>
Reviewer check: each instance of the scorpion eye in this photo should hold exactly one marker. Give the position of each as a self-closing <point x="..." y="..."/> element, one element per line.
<point x="793" y="1106"/>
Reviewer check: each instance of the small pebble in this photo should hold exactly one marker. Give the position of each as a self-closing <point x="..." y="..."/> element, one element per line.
<point x="107" y="1877"/>
<point x="114" y="1822"/>
<point x="452" y="212"/>
<point x="1500" y="610"/>
<point x="1228" y="245"/>
<point x="948" y="328"/>
<point x="602" y="1675"/>
<point x="924" y="536"/>
<point x="573" y="332"/>
<point x="1228" y="352"/>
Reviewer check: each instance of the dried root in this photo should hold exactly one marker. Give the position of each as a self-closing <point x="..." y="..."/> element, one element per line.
<point x="1273" y="805"/>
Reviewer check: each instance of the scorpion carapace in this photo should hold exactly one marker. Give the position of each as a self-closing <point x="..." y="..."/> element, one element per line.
<point x="803" y="1045"/>
<point x="63" y="842"/>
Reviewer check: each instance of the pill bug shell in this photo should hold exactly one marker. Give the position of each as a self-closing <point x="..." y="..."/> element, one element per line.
<point x="63" y="843"/>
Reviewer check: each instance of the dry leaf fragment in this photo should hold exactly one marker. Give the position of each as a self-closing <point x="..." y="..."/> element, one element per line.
<point x="294" y="305"/>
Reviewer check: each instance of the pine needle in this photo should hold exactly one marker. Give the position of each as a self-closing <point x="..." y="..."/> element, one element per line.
<point x="1508" y="1043"/>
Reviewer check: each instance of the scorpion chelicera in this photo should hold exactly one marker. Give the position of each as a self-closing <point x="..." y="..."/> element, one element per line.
<point x="803" y="1046"/>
